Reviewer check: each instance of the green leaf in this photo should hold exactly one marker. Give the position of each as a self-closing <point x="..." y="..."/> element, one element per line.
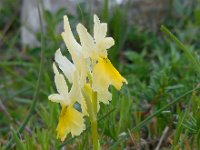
<point x="19" y="144"/>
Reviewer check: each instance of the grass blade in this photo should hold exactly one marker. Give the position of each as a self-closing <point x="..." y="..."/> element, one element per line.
<point x="35" y="97"/>
<point x="138" y="126"/>
<point x="180" y="44"/>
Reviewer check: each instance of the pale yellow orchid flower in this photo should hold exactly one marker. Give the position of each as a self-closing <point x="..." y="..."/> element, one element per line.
<point x="70" y="120"/>
<point x="95" y="48"/>
<point x="90" y="75"/>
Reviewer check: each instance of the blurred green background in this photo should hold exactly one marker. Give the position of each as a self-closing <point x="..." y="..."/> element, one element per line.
<point x="157" y="70"/>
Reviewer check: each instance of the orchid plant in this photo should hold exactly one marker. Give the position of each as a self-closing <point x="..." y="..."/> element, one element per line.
<point x="90" y="75"/>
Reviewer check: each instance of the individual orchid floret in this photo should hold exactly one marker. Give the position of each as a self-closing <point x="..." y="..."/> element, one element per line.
<point x="95" y="48"/>
<point x="104" y="74"/>
<point x="70" y="120"/>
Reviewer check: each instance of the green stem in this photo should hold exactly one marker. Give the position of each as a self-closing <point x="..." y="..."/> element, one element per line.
<point x="180" y="44"/>
<point x="94" y="125"/>
<point x="94" y="102"/>
<point x="94" y="134"/>
<point x="92" y="111"/>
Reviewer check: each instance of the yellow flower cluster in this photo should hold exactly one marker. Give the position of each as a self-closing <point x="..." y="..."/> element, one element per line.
<point x="90" y="71"/>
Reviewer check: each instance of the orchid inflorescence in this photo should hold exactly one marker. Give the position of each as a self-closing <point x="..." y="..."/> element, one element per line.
<point x="90" y="76"/>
